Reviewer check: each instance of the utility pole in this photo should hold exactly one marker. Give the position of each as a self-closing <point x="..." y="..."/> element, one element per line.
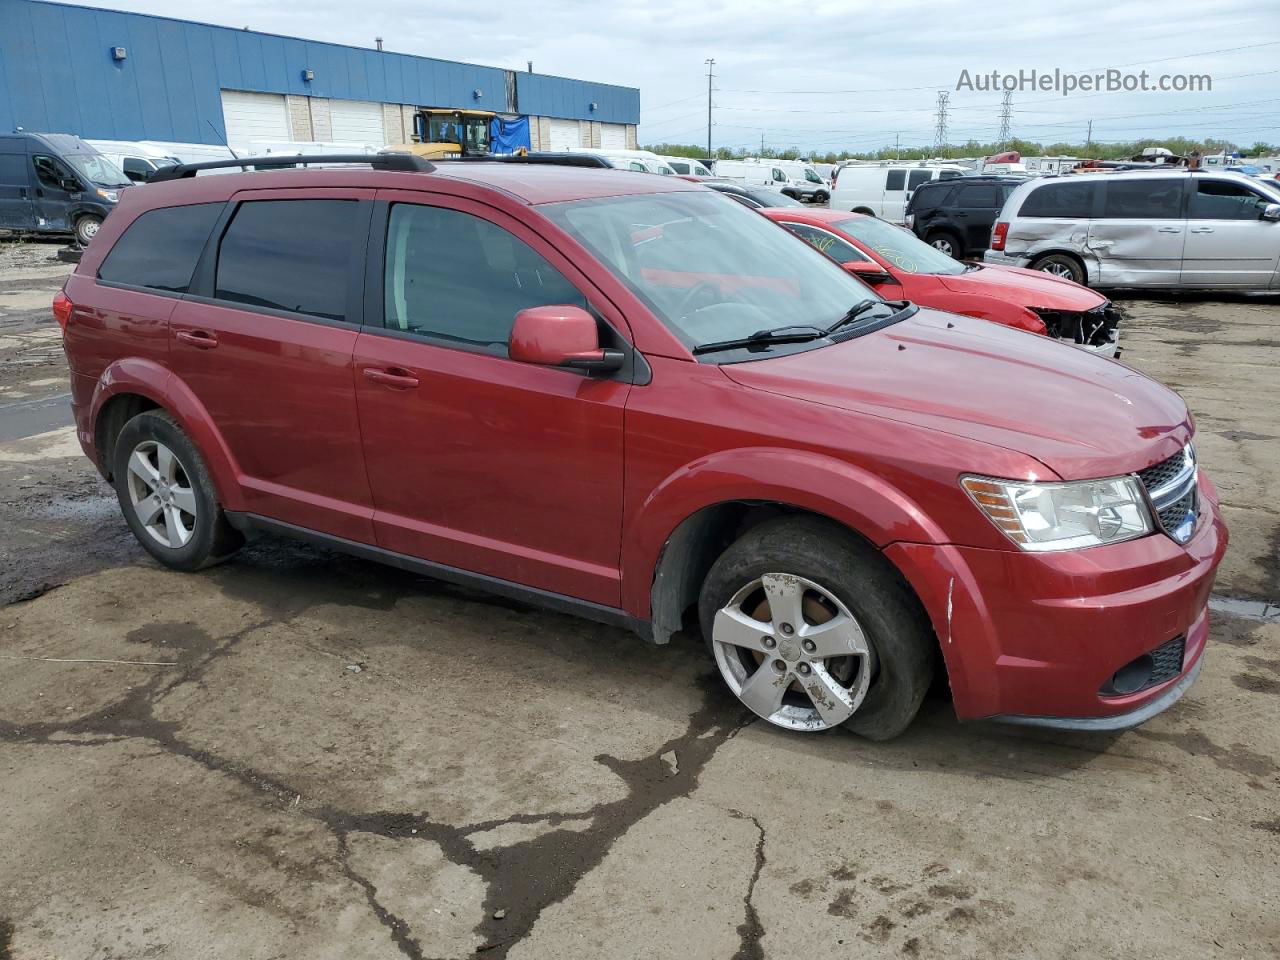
<point x="897" y="150"/>
<point x="1088" y="137"/>
<point x="1006" y="118"/>
<point x="940" y="130"/>
<point x="710" y="66"/>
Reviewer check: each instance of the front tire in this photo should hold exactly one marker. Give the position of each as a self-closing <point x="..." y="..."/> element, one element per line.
<point x="1061" y="265"/>
<point x="812" y="629"/>
<point x="87" y="228"/>
<point x="167" y="496"/>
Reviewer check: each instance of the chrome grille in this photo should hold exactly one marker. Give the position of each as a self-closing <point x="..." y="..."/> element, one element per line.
<point x="1174" y="491"/>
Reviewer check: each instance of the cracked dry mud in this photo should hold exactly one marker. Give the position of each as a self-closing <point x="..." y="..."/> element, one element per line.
<point x="499" y="781"/>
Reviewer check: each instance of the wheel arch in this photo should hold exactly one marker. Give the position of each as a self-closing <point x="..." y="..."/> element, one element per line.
<point x="131" y="386"/>
<point x="690" y="518"/>
<point x="1085" y="266"/>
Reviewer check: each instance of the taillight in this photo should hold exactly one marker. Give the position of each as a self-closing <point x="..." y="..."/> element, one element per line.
<point x="998" y="236"/>
<point x="62" y="307"/>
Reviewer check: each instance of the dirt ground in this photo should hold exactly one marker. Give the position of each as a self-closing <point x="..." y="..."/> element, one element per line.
<point x="298" y="754"/>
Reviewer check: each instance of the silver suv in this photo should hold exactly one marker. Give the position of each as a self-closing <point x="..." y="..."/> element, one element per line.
<point x="1177" y="229"/>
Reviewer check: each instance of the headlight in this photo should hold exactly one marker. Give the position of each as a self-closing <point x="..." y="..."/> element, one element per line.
<point x="109" y="195"/>
<point x="1063" y="516"/>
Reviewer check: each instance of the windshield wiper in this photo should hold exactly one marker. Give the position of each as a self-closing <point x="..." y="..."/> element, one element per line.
<point x="791" y="334"/>
<point x="852" y="314"/>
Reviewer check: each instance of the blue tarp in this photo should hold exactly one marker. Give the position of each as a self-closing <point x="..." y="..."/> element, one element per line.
<point x="508" y="136"/>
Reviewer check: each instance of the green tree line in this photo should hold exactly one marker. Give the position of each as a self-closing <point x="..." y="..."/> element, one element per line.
<point x="1098" y="151"/>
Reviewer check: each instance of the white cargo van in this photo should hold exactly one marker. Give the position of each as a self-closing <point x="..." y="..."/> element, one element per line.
<point x="139" y="161"/>
<point x="883" y="191"/>
<point x="641" y="161"/>
<point x="687" y="166"/>
<point x="791" y="178"/>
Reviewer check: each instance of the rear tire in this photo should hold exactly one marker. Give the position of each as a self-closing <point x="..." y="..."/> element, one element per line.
<point x="87" y="228"/>
<point x="167" y="496"/>
<point x="1061" y="265"/>
<point x="868" y="631"/>
<point x="946" y="242"/>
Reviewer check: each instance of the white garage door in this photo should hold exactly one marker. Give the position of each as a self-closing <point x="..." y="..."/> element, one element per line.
<point x="357" y="121"/>
<point x="564" y="134"/>
<point x="613" y="136"/>
<point x="254" y="116"/>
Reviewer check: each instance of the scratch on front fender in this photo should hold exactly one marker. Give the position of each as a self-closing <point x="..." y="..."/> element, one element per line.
<point x="951" y="587"/>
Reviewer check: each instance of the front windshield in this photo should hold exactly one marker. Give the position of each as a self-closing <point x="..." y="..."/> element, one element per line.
<point x="709" y="268"/>
<point x="97" y="169"/>
<point x="904" y="250"/>
<point x="811" y="175"/>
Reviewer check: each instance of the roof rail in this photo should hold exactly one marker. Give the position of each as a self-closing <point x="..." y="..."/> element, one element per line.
<point x="552" y="157"/>
<point x="379" y="161"/>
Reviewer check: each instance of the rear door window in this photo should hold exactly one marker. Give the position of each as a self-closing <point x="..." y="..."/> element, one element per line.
<point x="1067" y="201"/>
<point x="292" y="255"/>
<point x="679" y="167"/>
<point x="1143" y="199"/>
<point x="159" y="250"/>
<point x="980" y="196"/>
<point x="895" y="179"/>
<point x="452" y="276"/>
<point x="1222" y="200"/>
<point x="918" y="177"/>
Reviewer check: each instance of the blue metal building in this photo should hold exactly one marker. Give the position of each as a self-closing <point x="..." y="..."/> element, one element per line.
<point x="111" y="75"/>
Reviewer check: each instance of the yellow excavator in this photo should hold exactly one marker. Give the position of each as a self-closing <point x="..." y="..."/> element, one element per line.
<point x="445" y="133"/>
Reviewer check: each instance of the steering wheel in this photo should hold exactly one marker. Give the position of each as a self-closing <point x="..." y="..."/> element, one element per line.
<point x="689" y="302"/>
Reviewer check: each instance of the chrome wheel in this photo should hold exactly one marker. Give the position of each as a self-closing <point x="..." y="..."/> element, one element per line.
<point x="161" y="495"/>
<point x="1058" y="269"/>
<point x="793" y="653"/>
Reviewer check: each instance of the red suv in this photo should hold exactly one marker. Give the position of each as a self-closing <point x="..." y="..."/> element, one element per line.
<point x="629" y="397"/>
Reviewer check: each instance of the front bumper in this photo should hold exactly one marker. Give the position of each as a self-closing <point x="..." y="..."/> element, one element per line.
<point x="1041" y="635"/>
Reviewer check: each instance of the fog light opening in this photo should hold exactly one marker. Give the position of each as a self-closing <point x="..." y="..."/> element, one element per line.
<point x="1132" y="677"/>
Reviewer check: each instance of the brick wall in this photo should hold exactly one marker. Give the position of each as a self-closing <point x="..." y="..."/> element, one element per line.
<point x="299" y="118"/>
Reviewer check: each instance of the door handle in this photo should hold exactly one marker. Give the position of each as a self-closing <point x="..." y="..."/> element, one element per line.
<point x="22" y="193"/>
<point x="394" y="377"/>
<point x="1202" y="229"/>
<point x="200" y="339"/>
<point x="1168" y="229"/>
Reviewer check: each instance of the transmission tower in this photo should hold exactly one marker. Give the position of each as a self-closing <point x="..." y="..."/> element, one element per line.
<point x="940" y="131"/>
<point x="1006" y="117"/>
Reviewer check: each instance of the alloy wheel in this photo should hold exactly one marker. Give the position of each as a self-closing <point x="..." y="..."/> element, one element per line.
<point x="943" y="245"/>
<point x="1058" y="269"/>
<point x="793" y="653"/>
<point x="161" y="495"/>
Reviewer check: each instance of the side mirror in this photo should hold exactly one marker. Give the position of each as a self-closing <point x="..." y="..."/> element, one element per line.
<point x="70" y="184"/>
<point x="867" y="271"/>
<point x="561" y="336"/>
<point x="1271" y="212"/>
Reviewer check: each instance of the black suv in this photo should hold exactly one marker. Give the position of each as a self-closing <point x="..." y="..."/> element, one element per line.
<point x="956" y="215"/>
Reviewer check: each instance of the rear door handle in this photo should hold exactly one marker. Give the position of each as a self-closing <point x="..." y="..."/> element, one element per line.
<point x="394" y="377"/>
<point x="1168" y="229"/>
<point x="200" y="339"/>
<point x="1202" y="229"/>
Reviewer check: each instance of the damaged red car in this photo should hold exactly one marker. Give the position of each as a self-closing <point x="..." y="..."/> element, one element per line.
<point x="630" y="398"/>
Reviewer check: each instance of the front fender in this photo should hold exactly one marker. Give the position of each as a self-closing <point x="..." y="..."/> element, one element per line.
<point x="146" y="378"/>
<point x="811" y="481"/>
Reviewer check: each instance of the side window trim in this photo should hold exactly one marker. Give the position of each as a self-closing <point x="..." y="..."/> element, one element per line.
<point x="635" y="370"/>
<point x="201" y="289"/>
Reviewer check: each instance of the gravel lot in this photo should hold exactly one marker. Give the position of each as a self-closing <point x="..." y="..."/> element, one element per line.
<point x="312" y="756"/>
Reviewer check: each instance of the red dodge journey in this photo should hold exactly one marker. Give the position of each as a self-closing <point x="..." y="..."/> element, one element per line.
<point x="629" y="397"/>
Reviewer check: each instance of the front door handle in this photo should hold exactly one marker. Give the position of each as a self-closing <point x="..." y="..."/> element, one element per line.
<point x="200" y="339"/>
<point x="1202" y="229"/>
<point x="1168" y="229"/>
<point x="394" y="377"/>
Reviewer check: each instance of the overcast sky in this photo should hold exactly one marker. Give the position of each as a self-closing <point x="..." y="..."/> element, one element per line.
<point x="843" y="75"/>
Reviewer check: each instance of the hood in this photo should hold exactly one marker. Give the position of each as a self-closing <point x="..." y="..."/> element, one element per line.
<point x="1081" y="415"/>
<point x="1029" y="288"/>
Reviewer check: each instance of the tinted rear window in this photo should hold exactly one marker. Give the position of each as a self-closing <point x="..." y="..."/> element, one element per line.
<point x="981" y="195"/>
<point x="13" y="169"/>
<point x="1066" y="200"/>
<point x="1143" y="199"/>
<point x="291" y="255"/>
<point x="159" y="250"/>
